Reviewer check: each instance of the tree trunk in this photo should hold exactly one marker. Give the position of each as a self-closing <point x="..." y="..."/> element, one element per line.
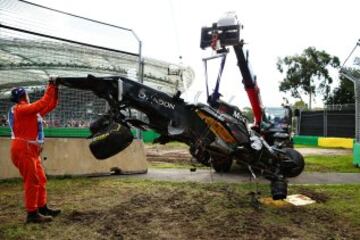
<point x="310" y="100"/>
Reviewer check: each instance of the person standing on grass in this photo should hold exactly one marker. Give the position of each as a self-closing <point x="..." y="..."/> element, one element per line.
<point x="26" y="124"/>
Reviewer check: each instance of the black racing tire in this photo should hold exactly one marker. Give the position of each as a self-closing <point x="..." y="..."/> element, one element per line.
<point x="110" y="141"/>
<point x="298" y="159"/>
<point x="222" y="164"/>
<point x="279" y="189"/>
<point x="100" y="124"/>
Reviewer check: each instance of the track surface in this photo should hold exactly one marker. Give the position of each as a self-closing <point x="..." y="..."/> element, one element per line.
<point x="205" y="176"/>
<point x="160" y="153"/>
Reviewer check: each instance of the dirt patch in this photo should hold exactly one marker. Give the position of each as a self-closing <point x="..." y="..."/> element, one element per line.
<point x="110" y="208"/>
<point x="168" y="155"/>
<point x="212" y="212"/>
<point x="2" y="235"/>
<point x="85" y="217"/>
<point x="317" y="196"/>
<point x="162" y="153"/>
<point x="324" y="151"/>
<point x="318" y="223"/>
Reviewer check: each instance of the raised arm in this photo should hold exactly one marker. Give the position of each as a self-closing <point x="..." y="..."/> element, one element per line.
<point x="40" y="104"/>
<point x="52" y="105"/>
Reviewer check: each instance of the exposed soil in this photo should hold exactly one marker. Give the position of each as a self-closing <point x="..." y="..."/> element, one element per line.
<point x="155" y="153"/>
<point x="324" y="151"/>
<point x="161" y="153"/>
<point x="109" y="208"/>
<point x="176" y="214"/>
<point x="319" y="197"/>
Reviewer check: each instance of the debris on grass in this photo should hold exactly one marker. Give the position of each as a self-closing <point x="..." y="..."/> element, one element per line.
<point x="299" y="200"/>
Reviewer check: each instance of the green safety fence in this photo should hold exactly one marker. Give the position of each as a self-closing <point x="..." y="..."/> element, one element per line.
<point x="4" y="132"/>
<point x="148" y="136"/>
<point x="327" y="142"/>
<point x="306" y="140"/>
<point x="55" y="132"/>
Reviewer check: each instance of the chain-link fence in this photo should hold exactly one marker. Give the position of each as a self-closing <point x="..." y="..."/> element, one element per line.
<point x="36" y="42"/>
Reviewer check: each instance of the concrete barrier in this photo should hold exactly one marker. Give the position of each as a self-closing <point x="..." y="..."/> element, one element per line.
<point x="333" y="142"/>
<point x="71" y="156"/>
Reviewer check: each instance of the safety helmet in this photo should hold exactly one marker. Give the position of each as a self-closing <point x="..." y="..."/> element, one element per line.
<point x="17" y="93"/>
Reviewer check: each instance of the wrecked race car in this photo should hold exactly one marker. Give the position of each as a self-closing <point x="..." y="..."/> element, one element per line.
<point x="214" y="139"/>
<point x="217" y="134"/>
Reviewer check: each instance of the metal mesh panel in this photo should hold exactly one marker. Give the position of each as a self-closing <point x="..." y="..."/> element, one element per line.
<point x="36" y="42"/>
<point x="75" y="109"/>
<point x="27" y="59"/>
<point x="31" y="17"/>
<point x="351" y="70"/>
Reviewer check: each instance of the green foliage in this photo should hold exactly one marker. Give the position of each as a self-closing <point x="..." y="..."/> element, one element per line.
<point x="307" y="73"/>
<point x="300" y="105"/>
<point x="344" y="93"/>
<point x="248" y="113"/>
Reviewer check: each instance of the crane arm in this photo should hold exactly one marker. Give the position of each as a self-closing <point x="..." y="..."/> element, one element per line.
<point x="226" y="32"/>
<point x="250" y="83"/>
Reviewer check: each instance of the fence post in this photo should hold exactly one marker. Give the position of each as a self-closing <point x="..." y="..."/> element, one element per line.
<point x="298" y="124"/>
<point x="325" y="122"/>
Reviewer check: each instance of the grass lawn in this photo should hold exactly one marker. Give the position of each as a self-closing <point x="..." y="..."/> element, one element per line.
<point x="313" y="163"/>
<point x="118" y="208"/>
<point x="184" y="165"/>
<point x="319" y="163"/>
<point x="304" y="146"/>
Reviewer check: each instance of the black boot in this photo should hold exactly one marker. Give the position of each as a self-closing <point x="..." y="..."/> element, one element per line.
<point x="36" y="217"/>
<point x="48" y="211"/>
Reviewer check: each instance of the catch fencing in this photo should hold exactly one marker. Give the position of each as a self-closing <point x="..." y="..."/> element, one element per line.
<point x="37" y="42"/>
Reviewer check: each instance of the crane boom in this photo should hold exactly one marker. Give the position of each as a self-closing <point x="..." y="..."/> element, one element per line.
<point x="226" y="32"/>
<point x="250" y="84"/>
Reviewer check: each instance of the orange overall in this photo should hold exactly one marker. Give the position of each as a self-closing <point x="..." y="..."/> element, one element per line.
<point x="26" y="149"/>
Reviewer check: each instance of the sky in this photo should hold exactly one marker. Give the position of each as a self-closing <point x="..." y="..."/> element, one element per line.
<point x="272" y="29"/>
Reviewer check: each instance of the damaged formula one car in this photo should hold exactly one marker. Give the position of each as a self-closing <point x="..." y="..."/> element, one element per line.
<point x="216" y="135"/>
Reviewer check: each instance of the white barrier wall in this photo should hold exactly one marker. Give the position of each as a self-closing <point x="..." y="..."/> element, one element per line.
<point x="70" y="156"/>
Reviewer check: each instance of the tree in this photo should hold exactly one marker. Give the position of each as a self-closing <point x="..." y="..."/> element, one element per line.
<point x="300" y="105"/>
<point x="344" y="93"/>
<point x="307" y="73"/>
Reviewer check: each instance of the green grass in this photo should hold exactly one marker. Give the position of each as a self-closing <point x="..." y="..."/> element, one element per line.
<point x="313" y="163"/>
<point x="160" y="165"/>
<point x="106" y="208"/>
<point x="304" y="146"/>
<point x="319" y="163"/>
